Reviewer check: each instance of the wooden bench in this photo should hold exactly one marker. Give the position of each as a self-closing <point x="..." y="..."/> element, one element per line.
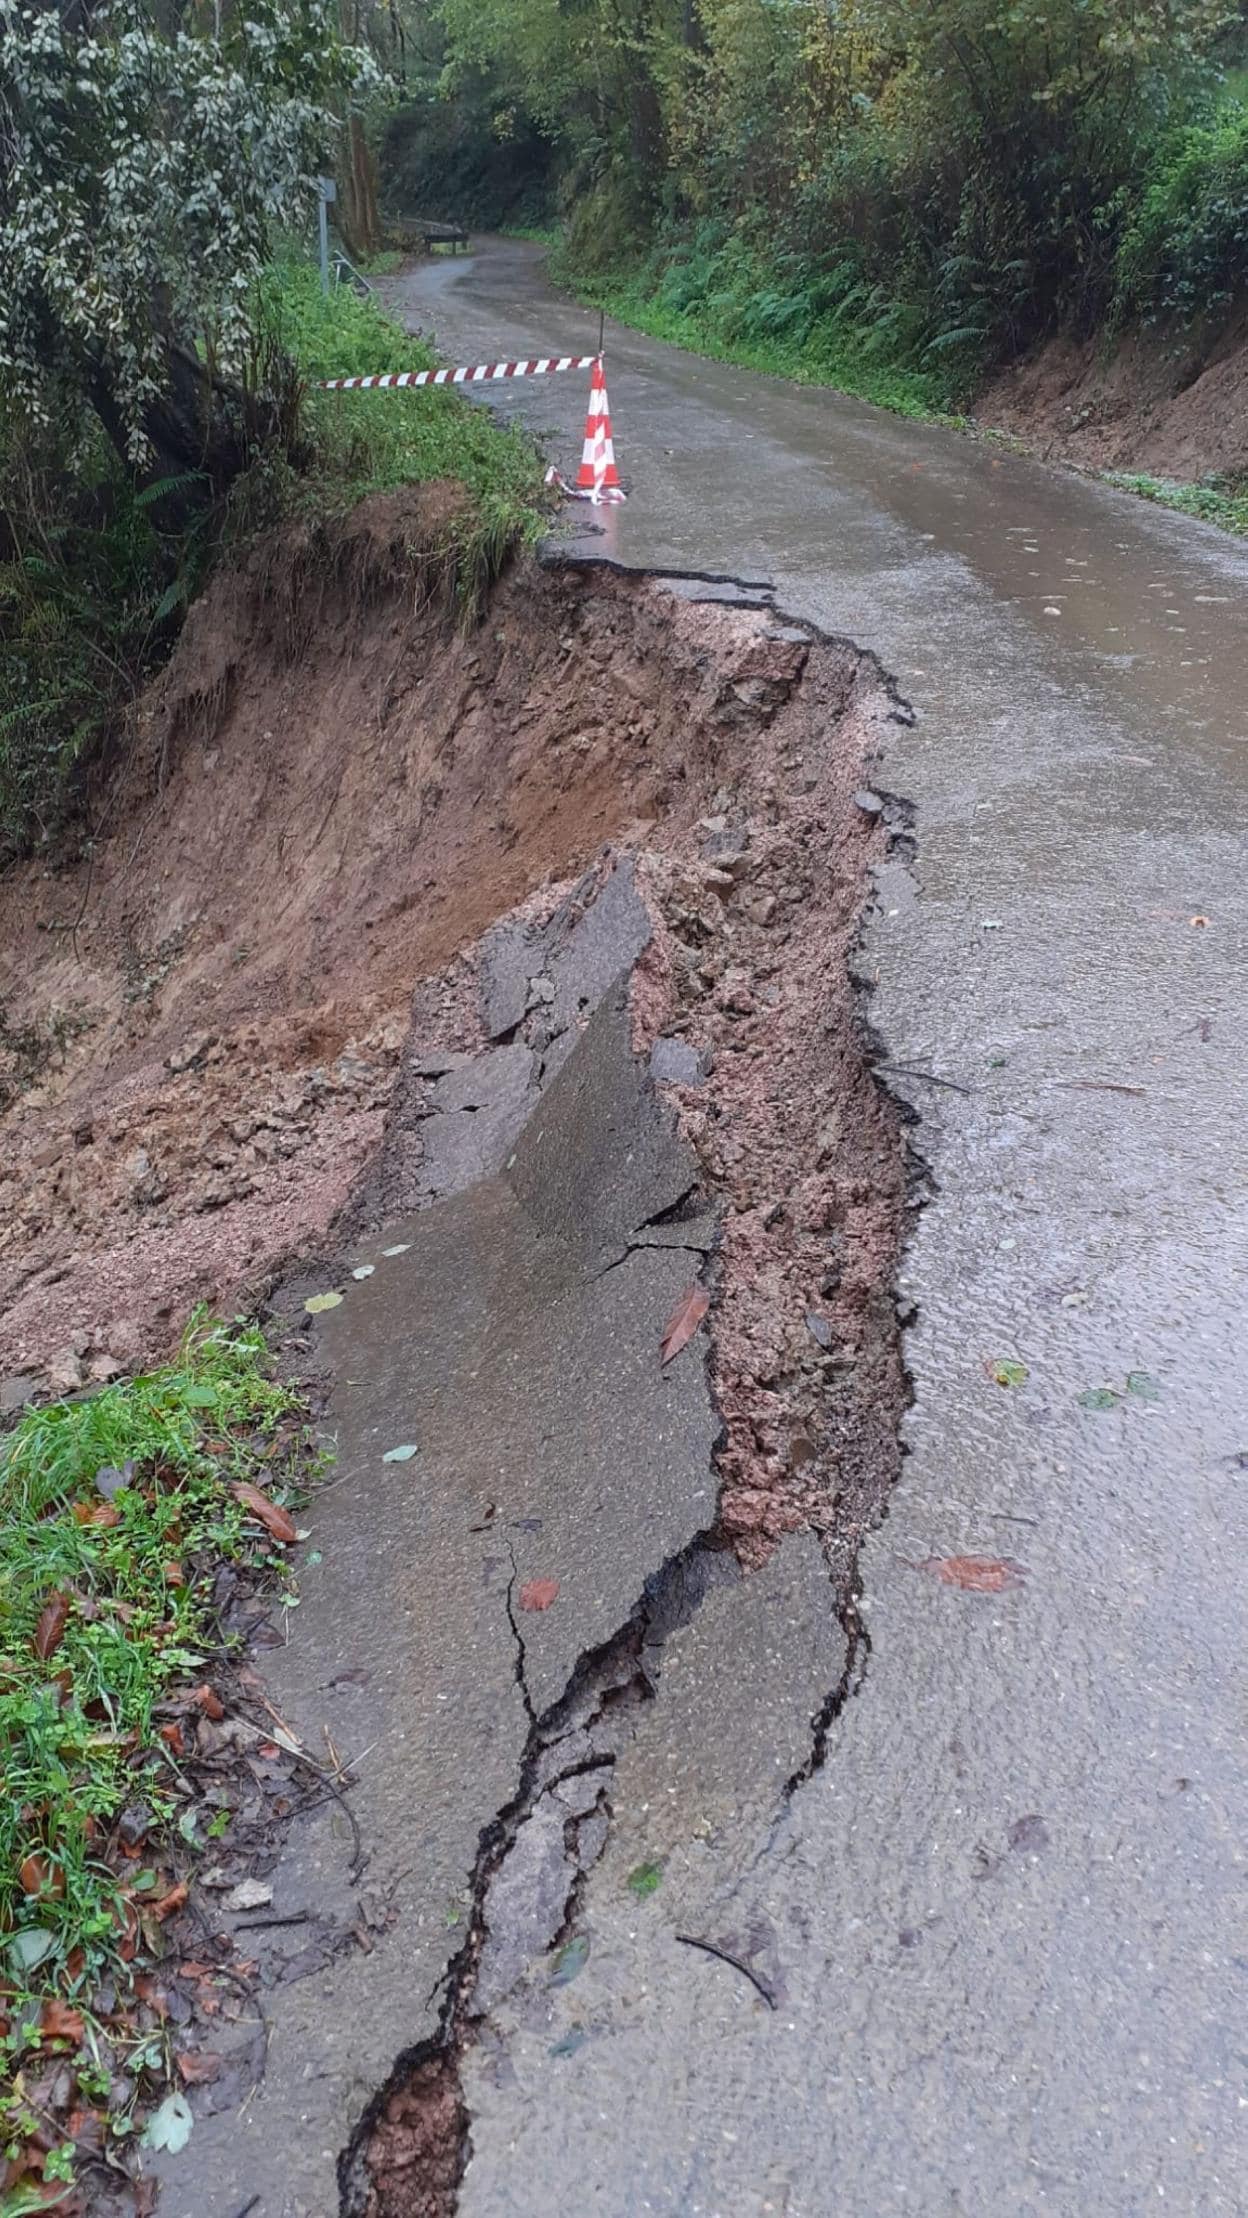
<point x="443" y="234"/>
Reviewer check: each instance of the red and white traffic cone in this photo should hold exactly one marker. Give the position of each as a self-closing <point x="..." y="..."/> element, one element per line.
<point x="598" y="477"/>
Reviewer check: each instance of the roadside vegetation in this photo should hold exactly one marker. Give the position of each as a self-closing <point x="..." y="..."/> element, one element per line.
<point x="157" y="338"/>
<point x="890" y="198"/>
<point x="132" y="1517"/>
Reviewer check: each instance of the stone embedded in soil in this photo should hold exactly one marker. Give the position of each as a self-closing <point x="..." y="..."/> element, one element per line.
<point x="676" y="1062"/>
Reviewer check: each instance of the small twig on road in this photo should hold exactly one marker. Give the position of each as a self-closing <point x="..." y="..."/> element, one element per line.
<point x="725" y="1955"/>
<point x="252" y="1925"/>
<point x="1097" y="1086"/>
<point x="298" y="1754"/>
<point x="908" y="1070"/>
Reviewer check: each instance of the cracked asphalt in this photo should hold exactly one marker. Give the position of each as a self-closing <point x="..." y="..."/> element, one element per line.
<point x="1002" y="1924"/>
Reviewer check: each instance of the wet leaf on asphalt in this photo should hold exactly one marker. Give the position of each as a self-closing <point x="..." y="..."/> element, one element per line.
<point x="364" y="1270"/>
<point x="683" y="1322"/>
<point x="1100" y="1397"/>
<point x="974" y="1574"/>
<point x="401" y="1249"/>
<point x="574" y="2039"/>
<point x="1144" y="1386"/>
<point x="198" y="2065"/>
<point x="645" y="1879"/>
<point x="273" y="1519"/>
<point x="538" y="1594"/>
<point x="1029" y="1834"/>
<point x="51" y="1626"/>
<point x="1008" y="1371"/>
<point x="250" y="1894"/>
<point x="316" y="1303"/>
<point x="169" y="2127"/>
<point x="403" y="1454"/>
<point x="570" y="1960"/>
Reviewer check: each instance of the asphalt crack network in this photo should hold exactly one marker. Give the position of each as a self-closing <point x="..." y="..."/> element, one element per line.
<point x="582" y="1733"/>
<point x="580" y="1736"/>
<point x="518" y="1638"/>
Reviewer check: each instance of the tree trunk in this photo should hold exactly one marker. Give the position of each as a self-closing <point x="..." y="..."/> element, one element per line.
<point x="202" y="429"/>
<point x="359" y="218"/>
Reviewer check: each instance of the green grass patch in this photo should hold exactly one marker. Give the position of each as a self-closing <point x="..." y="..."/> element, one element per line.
<point x="118" y="1510"/>
<point x="1224" y="505"/>
<point x="371" y="442"/>
<point x="718" y="294"/>
<point x="842" y="362"/>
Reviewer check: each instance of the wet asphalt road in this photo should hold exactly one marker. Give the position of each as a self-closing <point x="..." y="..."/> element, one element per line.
<point x="1008" y="1912"/>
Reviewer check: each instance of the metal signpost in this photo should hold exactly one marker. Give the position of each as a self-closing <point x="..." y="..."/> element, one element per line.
<point x="326" y="192"/>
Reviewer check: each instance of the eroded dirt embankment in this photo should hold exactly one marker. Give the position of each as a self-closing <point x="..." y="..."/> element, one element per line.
<point x="385" y="902"/>
<point x="1169" y="403"/>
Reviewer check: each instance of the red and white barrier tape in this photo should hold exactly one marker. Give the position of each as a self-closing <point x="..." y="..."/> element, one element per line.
<point x="480" y="373"/>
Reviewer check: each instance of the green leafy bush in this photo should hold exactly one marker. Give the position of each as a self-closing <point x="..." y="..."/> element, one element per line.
<point x="1184" y="251"/>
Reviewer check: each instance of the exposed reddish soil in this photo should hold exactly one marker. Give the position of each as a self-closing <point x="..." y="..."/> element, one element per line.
<point x="1172" y="405"/>
<point x="336" y="791"/>
<point x="333" y="792"/>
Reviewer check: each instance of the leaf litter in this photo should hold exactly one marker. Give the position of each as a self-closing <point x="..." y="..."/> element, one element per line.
<point x="973" y="1574"/>
<point x="79" y="1960"/>
<point x="538" y="1594"/>
<point x="683" y="1322"/>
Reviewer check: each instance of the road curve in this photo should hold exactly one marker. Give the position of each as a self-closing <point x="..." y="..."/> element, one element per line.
<point x="1008" y="1907"/>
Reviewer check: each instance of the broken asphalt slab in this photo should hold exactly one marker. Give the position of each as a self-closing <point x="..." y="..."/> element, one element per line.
<point x="513" y="1341"/>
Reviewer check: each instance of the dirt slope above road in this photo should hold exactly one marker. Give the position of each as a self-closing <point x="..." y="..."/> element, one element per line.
<point x="1173" y="406"/>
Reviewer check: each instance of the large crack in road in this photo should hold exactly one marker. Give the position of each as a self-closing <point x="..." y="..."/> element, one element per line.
<point x="672" y="1079"/>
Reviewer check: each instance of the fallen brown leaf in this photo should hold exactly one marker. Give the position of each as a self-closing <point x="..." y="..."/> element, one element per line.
<point x="37" y="1877"/>
<point x="198" y="2065"/>
<point x="974" y="1574"/>
<point x="271" y="1517"/>
<point x="51" y="1625"/>
<point x="57" y="2022"/>
<point x="173" y="1738"/>
<point x="211" y="1704"/>
<point x="538" y="1594"/>
<point x="96" y="1513"/>
<point x="683" y="1322"/>
<point x="172" y="1901"/>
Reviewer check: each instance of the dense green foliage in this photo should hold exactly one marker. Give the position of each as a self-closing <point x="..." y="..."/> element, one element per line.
<point x="1184" y="250"/>
<point x="91" y="590"/>
<point x="882" y="190"/>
